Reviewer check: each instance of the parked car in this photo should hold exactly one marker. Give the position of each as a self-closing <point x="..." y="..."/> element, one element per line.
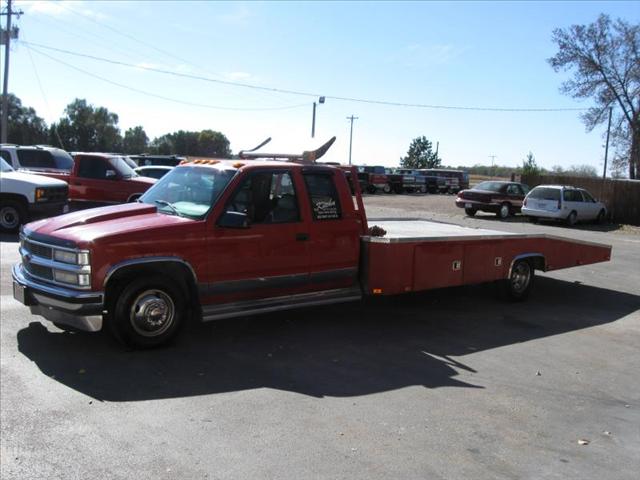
<point x="102" y="179"/>
<point x="25" y="196"/>
<point x="166" y="160"/>
<point x="37" y="158"/>
<point x="501" y="198"/>
<point x="563" y="203"/>
<point x="153" y="171"/>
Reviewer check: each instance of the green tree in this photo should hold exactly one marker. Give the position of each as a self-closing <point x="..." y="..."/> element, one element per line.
<point x="213" y="144"/>
<point x="206" y="143"/>
<point x="420" y="155"/>
<point x="135" y="140"/>
<point x="88" y="128"/>
<point x="529" y="166"/>
<point x="605" y="59"/>
<point x="24" y="126"/>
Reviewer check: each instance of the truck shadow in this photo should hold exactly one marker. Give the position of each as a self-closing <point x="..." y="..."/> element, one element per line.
<point x="342" y="350"/>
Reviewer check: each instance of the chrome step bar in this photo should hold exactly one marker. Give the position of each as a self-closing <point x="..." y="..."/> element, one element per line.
<point x="264" y="305"/>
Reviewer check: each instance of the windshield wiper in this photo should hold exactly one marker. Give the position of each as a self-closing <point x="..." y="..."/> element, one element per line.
<point x="164" y="203"/>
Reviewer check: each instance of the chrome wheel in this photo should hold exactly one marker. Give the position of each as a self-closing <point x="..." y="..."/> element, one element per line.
<point x="520" y="277"/>
<point x="152" y="313"/>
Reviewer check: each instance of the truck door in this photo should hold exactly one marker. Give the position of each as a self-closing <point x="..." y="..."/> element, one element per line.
<point x="269" y="258"/>
<point x="94" y="181"/>
<point x="334" y="231"/>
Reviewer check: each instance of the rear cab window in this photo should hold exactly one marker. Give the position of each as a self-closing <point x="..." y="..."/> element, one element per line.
<point x="323" y="196"/>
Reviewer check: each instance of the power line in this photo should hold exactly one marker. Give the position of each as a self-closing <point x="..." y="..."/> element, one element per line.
<point x="162" y="97"/>
<point x="302" y="93"/>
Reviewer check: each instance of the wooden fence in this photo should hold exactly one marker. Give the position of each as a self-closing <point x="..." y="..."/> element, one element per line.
<point x="622" y="197"/>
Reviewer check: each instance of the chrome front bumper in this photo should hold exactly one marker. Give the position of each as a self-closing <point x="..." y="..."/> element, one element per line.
<point x="79" y="309"/>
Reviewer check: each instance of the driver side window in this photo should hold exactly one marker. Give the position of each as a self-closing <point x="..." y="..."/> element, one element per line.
<point x="92" y="168"/>
<point x="266" y="197"/>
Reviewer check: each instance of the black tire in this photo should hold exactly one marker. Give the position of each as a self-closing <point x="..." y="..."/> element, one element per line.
<point x="600" y="218"/>
<point x="518" y="285"/>
<point x="470" y="211"/>
<point x="423" y="189"/>
<point x="505" y="211"/>
<point x="371" y="189"/>
<point x="572" y="218"/>
<point x="13" y="213"/>
<point x="147" y="313"/>
<point x="387" y="188"/>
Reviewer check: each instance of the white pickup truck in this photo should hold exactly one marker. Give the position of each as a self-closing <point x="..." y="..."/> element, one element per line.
<point x="25" y="196"/>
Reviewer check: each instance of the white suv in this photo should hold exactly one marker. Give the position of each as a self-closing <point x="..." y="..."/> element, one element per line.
<point x="36" y="158"/>
<point x="25" y="196"/>
<point x="564" y="203"/>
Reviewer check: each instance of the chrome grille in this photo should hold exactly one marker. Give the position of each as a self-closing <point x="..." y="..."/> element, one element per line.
<point x="39" y="271"/>
<point x="39" y="250"/>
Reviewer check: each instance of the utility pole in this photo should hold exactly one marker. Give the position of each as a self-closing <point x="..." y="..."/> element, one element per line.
<point x="313" y="117"/>
<point x="492" y="157"/>
<point x="6" y="40"/>
<point x="352" y="118"/>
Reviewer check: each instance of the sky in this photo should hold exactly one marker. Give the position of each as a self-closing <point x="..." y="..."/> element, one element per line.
<point x="455" y="54"/>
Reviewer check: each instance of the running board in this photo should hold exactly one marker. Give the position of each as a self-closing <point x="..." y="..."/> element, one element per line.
<point x="251" y="307"/>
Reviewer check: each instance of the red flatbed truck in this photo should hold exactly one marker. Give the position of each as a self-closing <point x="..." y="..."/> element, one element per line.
<point x="217" y="239"/>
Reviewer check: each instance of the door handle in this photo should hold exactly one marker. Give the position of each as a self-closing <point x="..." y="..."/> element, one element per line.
<point x="301" y="237"/>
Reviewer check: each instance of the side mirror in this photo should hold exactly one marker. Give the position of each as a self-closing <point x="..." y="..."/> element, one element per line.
<point x="231" y="219"/>
<point x="110" y="175"/>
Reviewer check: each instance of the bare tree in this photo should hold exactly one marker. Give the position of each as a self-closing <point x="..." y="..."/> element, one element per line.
<point x="605" y="59"/>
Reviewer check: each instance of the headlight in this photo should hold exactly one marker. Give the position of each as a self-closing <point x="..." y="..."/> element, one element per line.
<point x="73" y="258"/>
<point x="79" y="279"/>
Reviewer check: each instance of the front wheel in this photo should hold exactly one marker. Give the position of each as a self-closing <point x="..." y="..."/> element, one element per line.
<point x="470" y="211"/>
<point x="148" y="313"/>
<point x="518" y="285"/>
<point x="386" y="188"/>
<point x="600" y="217"/>
<point x="12" y="215"/>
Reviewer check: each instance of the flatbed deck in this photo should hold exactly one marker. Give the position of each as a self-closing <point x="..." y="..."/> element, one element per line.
<point x="419" y="255"/>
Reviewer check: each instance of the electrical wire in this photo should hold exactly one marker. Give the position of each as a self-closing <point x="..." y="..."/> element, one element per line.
<point x="162" y="97"/>
<point x="306" y="94"/>
<point x="44" y="97"/>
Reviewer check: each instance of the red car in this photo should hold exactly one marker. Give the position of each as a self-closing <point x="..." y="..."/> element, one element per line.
<point x="102" y="179"/>
<point x="501" y="198"/>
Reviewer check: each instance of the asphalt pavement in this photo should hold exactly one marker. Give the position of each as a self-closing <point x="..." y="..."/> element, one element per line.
<point x="448" y="384"/>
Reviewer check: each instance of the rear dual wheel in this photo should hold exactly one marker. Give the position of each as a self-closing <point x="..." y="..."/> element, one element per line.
<point x="518" y="285"/>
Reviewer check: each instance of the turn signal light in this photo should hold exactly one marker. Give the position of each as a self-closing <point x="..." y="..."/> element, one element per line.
<point x="377" y="291"/>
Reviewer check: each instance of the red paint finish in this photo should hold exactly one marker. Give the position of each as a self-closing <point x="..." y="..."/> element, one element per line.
<point x="88" y="181"/>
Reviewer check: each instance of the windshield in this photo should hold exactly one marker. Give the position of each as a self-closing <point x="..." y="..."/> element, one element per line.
<point x="122" y="167"/>
<point x="4" y="166"/>
<point x="489" y="186"/>
<point x="188" y="191"/>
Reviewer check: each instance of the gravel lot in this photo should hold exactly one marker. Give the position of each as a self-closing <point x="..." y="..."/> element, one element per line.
<point x="448" y="384"/>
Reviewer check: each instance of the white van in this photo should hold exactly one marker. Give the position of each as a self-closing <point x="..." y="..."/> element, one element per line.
<point x="564" y="203"/>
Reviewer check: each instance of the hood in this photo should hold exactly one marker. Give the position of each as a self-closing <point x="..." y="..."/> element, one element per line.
<point x="144" y="181"/>
<point x="88" y="226"/>
<point x="33" y="179"/>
